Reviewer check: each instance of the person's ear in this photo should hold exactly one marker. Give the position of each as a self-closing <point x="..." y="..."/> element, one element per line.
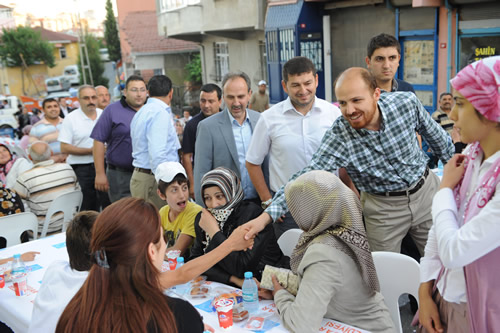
<point x="152" y="251"/>
<point x="367" y="60"/>
<point x="161" y="195"/>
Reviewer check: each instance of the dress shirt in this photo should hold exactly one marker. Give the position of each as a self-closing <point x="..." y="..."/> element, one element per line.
<point x="154" y="139"/>
<point x="75" y="130"/>
<point x="290" y="138"/>
<point x="454" y="244"/>
<point x="242" y="137"/>
<point x="389" y="159"/>
<point x="113" y="128"/>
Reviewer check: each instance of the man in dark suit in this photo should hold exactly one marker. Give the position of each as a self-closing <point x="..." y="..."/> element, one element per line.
<point x="65" y="109"/>
<point x="223" y="139"/>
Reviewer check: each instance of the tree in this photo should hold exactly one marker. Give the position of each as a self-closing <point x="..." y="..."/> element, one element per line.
<point x="96" y="65"/>
<point x="111" y="33"/>
<point x="193" y="69"/>
<point x="24" y="43"/>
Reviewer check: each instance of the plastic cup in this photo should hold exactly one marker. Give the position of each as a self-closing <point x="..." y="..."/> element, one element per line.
<point x="2" y="277"/>
<point x="224" y="309"/>
<point x="172" y="258"/>
<point x="20" y="283"/>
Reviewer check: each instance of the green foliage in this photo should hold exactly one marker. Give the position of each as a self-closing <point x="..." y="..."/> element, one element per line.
<point x="29" y="43"/>
<point x="96" y="65"/>
<point x="193" y="69"/>
<point x="111" y="34"/>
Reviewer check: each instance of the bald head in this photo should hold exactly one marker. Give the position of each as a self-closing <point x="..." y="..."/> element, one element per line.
<point x="357" y="73"/>
<point x="103" y="97"/>
<point x="40" y="151"/>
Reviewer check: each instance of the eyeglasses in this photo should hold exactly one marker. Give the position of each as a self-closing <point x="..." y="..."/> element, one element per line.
<point x="135" y="90"/>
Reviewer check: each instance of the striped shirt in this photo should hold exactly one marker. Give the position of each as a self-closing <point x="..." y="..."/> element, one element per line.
<point x="43" y="183"/>
<point x="442" y="118"/>
<point x="45" y="131"/>
<point x="389" y="159"/>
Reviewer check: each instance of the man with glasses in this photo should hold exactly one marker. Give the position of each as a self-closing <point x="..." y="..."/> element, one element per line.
<point x="113" y="130"/>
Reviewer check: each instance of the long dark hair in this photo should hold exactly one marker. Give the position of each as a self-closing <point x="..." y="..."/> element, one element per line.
<point x="126" y="296"/>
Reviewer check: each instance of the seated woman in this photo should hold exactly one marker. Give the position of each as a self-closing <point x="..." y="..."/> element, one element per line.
<point x="332" y="259"/>
<point x="460" y="290"/>
<point x="11" y="166"/>
<point x="122" y="292"/>
<point x="223" y="196"/>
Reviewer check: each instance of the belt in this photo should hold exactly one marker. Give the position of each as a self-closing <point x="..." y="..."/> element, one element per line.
<point x="417" y="187"/>
<point x="148" y="171"/>
<point x="114" y="167"/>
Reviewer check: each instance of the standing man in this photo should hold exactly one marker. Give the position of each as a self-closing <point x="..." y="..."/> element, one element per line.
<point x="290" y="132"/>
<point x="223" y="139"/>
<point x="210" y="101"/>
<point x="113" y="129"/>
<point x="65" y="109"/>
<point x="383" y="55"/>
<point x="260" y="99"/>
<point x="47" y="129"/>
<point x="103" y="97"/>
<point x="75" y="141"/>
<point x="375" y="142"/>
<point x="154" y="140"/>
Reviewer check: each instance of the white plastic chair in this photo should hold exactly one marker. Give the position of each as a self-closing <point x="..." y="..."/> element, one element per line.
<point x="288" y="240"/>
<point x="67" y="203"/>
<point x="12" y="226"/>
<point x="397" y="274"/>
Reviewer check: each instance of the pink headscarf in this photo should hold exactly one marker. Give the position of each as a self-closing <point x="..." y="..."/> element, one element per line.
<point x="479" y="83"/>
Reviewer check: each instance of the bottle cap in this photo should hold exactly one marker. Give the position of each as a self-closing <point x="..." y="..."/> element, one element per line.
<point x="17" y="255"/>
<point x="248" y="275"/>
<point x="180" y="259"/>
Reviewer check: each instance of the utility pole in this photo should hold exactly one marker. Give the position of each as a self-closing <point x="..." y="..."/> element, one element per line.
<point x="84" y="54"/>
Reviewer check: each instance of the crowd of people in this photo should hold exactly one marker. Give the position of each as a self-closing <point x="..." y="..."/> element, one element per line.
<point x="223" y="185"/>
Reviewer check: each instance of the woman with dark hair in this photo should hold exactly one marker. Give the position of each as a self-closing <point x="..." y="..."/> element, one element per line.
<point x="11" y="166"/>
<point x="123" y="291"/>
<point x="222" y="194"/>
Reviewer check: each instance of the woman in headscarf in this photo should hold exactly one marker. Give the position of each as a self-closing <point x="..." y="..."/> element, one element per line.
<point x="11" y="166"/>
<point x="223" y="196"/>
<point x="332" y="259"/>
<point x="460" y="290"/>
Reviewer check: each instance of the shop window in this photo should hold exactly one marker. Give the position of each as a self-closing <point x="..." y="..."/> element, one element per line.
<point x="311" y="48"/>
<point x="476" y="48"/>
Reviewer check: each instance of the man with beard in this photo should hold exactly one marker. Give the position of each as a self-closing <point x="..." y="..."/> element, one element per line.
<point x="75" y="141"/>
<point x="223" y="139"/>
<point x="113" y="129"/>
<point x="441" y="116"/>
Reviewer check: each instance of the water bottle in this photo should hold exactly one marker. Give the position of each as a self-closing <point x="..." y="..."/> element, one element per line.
<point x="181" y="289"/>
<point x="18" y="266"/>
<point x="250" y="293"/>
<point x="440" y="169"/>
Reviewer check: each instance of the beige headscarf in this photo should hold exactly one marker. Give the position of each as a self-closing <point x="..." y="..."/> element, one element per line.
<point x="329" y="213"/>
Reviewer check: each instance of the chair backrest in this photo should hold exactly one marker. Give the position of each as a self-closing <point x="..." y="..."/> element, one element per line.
<point x="397" y="274"/>
<point x="68" y="203"/>
<point x="288" y="240"/>
<point x="12" y="226"/>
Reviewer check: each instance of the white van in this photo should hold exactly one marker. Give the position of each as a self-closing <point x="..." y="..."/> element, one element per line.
<point x="72" y="73"/>
<point x="58" y="83"/>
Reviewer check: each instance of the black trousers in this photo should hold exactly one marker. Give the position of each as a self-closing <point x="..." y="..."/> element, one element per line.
<point x="92" y="198"/>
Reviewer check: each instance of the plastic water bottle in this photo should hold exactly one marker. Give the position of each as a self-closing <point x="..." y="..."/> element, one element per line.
<point x="440" y="169"/>
<point x="181" y="289"/>
<point x="18" y="266"/>
<point x="250" y="293"/>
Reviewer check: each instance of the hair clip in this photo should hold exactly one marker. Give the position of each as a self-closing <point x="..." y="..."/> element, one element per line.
<point x="101" y="259"/>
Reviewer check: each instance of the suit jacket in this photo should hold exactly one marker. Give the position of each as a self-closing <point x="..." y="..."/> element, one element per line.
<point x="215" y="147"/>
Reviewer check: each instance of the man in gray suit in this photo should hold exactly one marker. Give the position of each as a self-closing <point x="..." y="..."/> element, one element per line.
<point x="223" y="139"/>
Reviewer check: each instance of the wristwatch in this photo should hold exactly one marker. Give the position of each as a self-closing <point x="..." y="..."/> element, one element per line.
<point x="266" y="203"/>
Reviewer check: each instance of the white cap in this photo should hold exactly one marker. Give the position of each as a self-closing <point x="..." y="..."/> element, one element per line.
<point x="262" y="82"/>
<point x="166" y="171"/>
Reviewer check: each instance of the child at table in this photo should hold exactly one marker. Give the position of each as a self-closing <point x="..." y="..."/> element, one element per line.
<point x="177" y="217"/>
<point x="222" y="194"/>
<point x="460" y="290"/>
<point x="63" y="279"/>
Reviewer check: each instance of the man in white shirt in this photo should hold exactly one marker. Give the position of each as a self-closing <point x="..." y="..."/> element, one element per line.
<point x="75" y="139"/>
<point x="290" y="132"/>
<point x="63" y="279"/>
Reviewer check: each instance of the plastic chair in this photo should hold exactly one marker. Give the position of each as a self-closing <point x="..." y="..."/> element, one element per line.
<point x="397" y="274"/>
<point x="12" y="226"/>
<point x="288" y="240"/>
<point x="67" y="203"/>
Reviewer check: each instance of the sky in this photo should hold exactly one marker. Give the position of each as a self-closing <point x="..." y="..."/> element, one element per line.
<point x="49" y="8"/>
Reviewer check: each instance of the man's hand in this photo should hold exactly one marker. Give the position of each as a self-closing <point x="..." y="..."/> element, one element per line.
<point x="29" y="256"/>
<point x="453" y="171"/>
<point x="263" y="293"/>
<point x="101" y="182"/>
<point x="208" y="223"/>
<point x="277" y="286"/>
<point x="257" y="225"/>
<point x="238" y="241"/>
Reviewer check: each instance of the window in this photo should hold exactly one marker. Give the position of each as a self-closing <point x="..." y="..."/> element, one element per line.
<point x="287" y="50"/>
<point x="221" y="56"/>
<point x="158" y="71"/>
<point x="476" y="48"/>
<point x="176" y="4"/>
<point x="263" y="60"/>
<point x="272" y="46"/>
<point x="314" y="52"/>
<point x="62" y="52"/>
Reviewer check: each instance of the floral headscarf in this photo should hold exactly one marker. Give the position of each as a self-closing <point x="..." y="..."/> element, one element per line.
<point x="5" y="168"/>
<point x="329" y="213"/>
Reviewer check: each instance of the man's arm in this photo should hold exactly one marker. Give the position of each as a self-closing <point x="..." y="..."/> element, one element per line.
<point x="101" y="181"/>
<point x="67" y="148"/>
<point x="188" y="166"/>
<point x="258" y="181"/>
